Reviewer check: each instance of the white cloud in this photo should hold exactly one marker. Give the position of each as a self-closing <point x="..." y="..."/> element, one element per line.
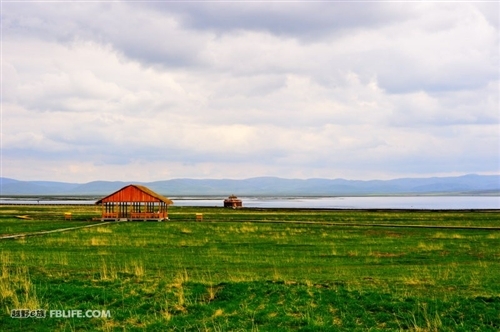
<point x="117" y="90"/>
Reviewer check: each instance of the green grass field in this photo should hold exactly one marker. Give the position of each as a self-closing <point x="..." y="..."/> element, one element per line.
<point x="239" y="270"/>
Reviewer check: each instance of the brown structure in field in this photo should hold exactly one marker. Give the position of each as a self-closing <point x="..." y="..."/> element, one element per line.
<point x="134" y="202"/>
<point x="233" y="202"/>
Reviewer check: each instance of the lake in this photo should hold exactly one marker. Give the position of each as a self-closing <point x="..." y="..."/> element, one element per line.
<point x="365" y="202"/>
<point x="372" y="202"/>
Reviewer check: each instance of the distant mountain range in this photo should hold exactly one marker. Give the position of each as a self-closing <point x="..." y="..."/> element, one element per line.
<point x="270" y="186"/>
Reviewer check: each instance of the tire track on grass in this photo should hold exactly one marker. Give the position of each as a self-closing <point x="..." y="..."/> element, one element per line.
<point x="491" y="228"/>
<point x="327" y="223"/>
<point x="59" y="230"/>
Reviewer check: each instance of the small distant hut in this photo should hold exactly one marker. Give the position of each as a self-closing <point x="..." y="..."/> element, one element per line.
<point x="233" y="202"/>
<point x="134" y="202"/>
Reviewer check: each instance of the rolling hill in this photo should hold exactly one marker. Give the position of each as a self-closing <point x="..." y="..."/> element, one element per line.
<point x="270" y="186"/>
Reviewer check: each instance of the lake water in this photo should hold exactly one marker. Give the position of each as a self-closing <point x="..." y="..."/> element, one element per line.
<point x="378" y="202"/>
<point x="371" y="202"/>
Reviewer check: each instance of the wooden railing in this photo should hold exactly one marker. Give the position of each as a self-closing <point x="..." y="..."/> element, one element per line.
<point x="109" y="215"/>
<point x="147" y="215"/>
<point x="135" y="215"/>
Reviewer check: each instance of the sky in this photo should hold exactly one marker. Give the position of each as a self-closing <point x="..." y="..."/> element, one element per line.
<point x="155" y="90"/>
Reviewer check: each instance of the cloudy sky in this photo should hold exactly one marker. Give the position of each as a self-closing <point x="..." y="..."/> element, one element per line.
<point x="146" y="91"/>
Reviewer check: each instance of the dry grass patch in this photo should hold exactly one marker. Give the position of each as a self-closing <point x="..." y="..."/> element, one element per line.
<point x="441" y="235"/>
<point x="17" y="290"/>
<point x="495" y="235"/>
<point x="135" y="268"/>
<point x="99" y="241"/>
<point x="186" y="231"/>
<point x="247" y="229"/>
<point x="103" y="230"/>
<point x="429" y="246"/>
<point x="218" y="313"/>
<point x="107" y="272"/>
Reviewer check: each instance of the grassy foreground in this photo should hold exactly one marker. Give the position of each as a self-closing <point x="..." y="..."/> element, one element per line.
<point x="238" y="271"/>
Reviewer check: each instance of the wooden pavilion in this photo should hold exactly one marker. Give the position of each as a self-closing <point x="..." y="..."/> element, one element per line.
<point x="134" y="202"/>
<point x="233" y="202"/>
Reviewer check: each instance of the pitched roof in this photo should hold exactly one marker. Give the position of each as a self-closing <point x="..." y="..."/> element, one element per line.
<point x="135" y="193"/>
<point x="232" y="198"/>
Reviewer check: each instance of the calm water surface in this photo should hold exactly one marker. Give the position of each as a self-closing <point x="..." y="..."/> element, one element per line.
<point x="372" y="202"/>
<point x="399" y="202"/>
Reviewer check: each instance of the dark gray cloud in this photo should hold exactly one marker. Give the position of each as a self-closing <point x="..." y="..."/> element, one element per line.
<point x="297" y="19"/>
<point x="153" y="38"/>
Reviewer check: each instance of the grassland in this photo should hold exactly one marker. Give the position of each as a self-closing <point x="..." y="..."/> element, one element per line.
<point x="240" y="271"/>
